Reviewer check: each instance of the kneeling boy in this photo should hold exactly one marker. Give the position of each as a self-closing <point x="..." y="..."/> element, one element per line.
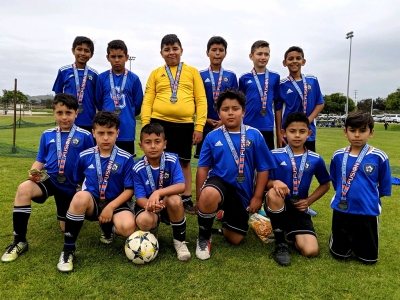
<point x="159" y="180"/>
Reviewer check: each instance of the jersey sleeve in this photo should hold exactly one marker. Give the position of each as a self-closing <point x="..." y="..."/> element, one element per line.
<point x="279" y="101"/>
<point x="234" y="83"/>
<point x="89" y="143"/>
<point x="79" y="175"/>
<point x="177" y="176"/>
<point x="206" y="157"/>
<point x="385" y="179"/>
<point x="332" y="171"/>
<point x="137" y="95"/>
<point x="99" y="94"/>
<point x="200" y="101"/>
<point x="128" y="178"/>
<point x="263" y="157"/>
<point x="242" y="85"/>
<point x="140" y="191"/>
<point x="320" y="98"/>
<point x="58" y="86"/>
<point x="149" y="97"/>
<point x="321" y="173"/>
<point x="41" y="156"/>
<point x="276" y="88"/>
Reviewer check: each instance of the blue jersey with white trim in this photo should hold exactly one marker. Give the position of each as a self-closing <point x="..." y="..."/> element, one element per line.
<point x="217" y="155"/>
<point x="172" y="175"/>
<point x="372" y="181"/>
<point x="130" y="101"/>
<point x="248" y="86"/>
<point x="47" y="154"/>
<point x="65" y="83"/>
<point x="315" y="165"/>
<point x="229" y="80"/>
<point x="120" y="176"/>
<point x="290" y="100"/>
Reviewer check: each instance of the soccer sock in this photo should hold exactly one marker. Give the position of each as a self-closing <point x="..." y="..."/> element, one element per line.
<point x="73" y="224"/>
<point x="186" y="198"/>
<point x="21" y="216"/>
<point x="107" y="229"/>
<point x="205" y="222"/>
<point x="277" y="218"/>
<point x="179" y="230"/>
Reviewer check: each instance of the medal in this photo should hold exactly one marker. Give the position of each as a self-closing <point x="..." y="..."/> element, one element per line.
<point x="117" y="110"/>
<point x="240" y="178"/>
<point x="239" y="160"/>
<point x="263" y="94"/>
<point x="343" y="205"/>
<point x="80" y="90"/>
<point x="303" y="96"/>
<point x="173" y="99"/>
<point x="216" y="89"/>
<point x="62" y="155"/>
<point x="296" y="174"/>
<point x="80" y="109"/>
<point x="263" y="112"/>
<point x="294" y="199"/>
<point x="61" y="178"/>
<point x="174" y="83"/>
<point x="115" y="96"/>
<point x="103" y="181"/>
<point x="160" y="175"/>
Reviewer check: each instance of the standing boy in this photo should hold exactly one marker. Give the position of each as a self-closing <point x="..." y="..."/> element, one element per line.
<point x="288" y="186"/>
<point x="261" y="89"/>
<point x="174" y="94"/>
<point x="216" y="80"/>
<point x="298" y="92"/>
<point x="158" y="182"/>
<point x="356" y="208"/>
<point x="106" y="173"/>
<point x="79" y="80"/>
<point x="119" y="90"/>
<point x="229" y="159"/>
<point x="58" y="151"/>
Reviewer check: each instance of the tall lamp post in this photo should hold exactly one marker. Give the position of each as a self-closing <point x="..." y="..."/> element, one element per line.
<point x="131" y="58"/>
<point x="348" y="36"/>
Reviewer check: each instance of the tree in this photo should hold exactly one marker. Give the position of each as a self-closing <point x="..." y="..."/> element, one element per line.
<point x="380" y="103"/>
<point x="48" y="103"/>
<point x="393" y="100"/>
<point x="364" y="105"/>
<point x="8" y="97"/>
<point x="336" y="104"/>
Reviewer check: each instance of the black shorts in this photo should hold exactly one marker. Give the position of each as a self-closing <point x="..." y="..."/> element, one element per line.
<point x="128" y="146"/>
<point x="179" y="138"/>
<point x="269" y="139"/>
<point x="297" y="222"/>
<point x="162" y="215"/>
<point x="310" y="145"/>
<point x="236" y="217"/>
<point x="354" y="233"/>
<point x="97" y="210"/>
<point x="61" y="198"/>
<point x="199" y="145"/>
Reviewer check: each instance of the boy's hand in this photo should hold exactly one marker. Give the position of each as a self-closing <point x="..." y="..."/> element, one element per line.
<point x="255" y="204"/>
<point x="197" y="137"/>
<point x="280" y="141"/>
<point x="106" y="214"/>
<point x="212" y="122"/>
<point x="153" y="203"/>
<point x="35" y="177"/>
<point x="302" y="205"/>
<point x="280" y="188"/>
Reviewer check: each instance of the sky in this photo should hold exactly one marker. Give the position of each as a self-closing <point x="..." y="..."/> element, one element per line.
<point x="36" y="38"/>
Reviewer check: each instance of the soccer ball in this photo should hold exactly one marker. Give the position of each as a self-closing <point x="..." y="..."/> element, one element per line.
<point x="141" y="247"/>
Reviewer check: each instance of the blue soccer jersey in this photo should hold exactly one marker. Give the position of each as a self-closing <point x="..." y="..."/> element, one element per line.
<point x="248" y="86"/>
<point x="130" y="101"/>
<point x="372" y="181"/>
<point x="65" y="83"/>
<point x="172" y="175"/>
<point x="290" y="100"/>
<point x="217" y="155"/>
<point x="120" y="176"/>
<point x="47" y="154"/>
<point x="229" y="80"/>
<point x="314" y="165"/>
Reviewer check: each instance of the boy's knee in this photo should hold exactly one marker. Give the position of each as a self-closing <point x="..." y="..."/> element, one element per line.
<point x="126" y="229"/>
<point x="173" y="202"/>
<point x="145" y="222"/>
<point x="273" y="200"/>
<point x="209" y="198"/>
<point x="80" y="201"/>
<point x="234" y="239"/>
<point x="309" y="251"/>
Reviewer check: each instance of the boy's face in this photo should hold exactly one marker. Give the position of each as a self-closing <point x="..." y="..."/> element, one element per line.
<point x="65" y="117"/>
<point x="117" y="59"/>
<point x="105" y="136"/>
<point x="294" y="61"/>
<point x="260" y="57"/>
<point x="216" y="54"/>
<point x="358" y="137"/>
<point x="296" y="134"/>
<point x="231" y="113"/>
<point x="171" y="54"/>
<point x="152" y="145"/>
<point x="82" y="53"/>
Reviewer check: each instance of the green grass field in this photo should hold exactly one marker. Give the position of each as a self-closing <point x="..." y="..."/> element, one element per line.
<point x="241" y="272"/>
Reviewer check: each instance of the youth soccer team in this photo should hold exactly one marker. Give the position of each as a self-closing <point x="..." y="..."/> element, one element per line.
<point x="239" y="169"/>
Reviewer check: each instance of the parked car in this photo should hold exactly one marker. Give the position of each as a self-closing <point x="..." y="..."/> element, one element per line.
<point x="394" y="118"/>
<point x="378" y="118"/>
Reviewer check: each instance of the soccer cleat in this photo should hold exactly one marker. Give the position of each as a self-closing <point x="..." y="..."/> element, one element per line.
<point x="311" y="212"/>
<point x="281" y="254"/>
<point x="189" y="208"/>
<point x="182" y="250"/>
<point x="65" y="262"/>
<point x="14" y="250"/>
<point x="203" y="248"/>
<point x="220" y="216"/>
<point x="106" y="240"/>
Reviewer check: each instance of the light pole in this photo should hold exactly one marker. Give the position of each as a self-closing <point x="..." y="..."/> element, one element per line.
<point x="130" y="61"/>
<point x="348" y="36"/>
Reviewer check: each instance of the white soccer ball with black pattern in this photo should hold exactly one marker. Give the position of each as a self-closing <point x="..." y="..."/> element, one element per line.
<point x="141" y="247"/>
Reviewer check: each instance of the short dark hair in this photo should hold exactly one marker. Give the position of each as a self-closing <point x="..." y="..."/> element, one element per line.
<point x="294" y="48"/>
<point x="296" y="117"/>
<point x="79" y="40"/>
<point x="359" y="119"/>
<point x="117" y="44"/>
<point x="170" y="39"/>
<point x="66" y="99"/>
<point x="217" y="40"/>
<point x="155" y="128"/>
<point x="231" y="94"/>
<point x="258" y="44"/>
<point x="106" y="118"/>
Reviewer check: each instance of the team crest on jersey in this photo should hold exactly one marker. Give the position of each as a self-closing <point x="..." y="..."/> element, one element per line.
<point x="166" y="176"/>
<point x="226" y="79"/>
<point x="249" y="142"/>
<point x="307" y="166"/>
<point x="309" y="87"/>
<point x="75" y="141"/>
<point x="90" y="77"/>
<point x="369" y="168"/>
<point x="115" y="167"/>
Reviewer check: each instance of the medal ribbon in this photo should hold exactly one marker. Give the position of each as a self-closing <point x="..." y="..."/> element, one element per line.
<point x="114" y="94"/>
<point x="62" y="156"/>
<point x="297" y="175"/>
<point x="216" y="90"/>
<point x="174" y="83"/>
<point x="346" y="182"/>
<point x="263" y="95"/>
<point x="303" y="96"/>
<point x="80" y="89"/>
<point x="238" y="159"/>
<point x="160" y="176"/>
<point x="104" y="181"/>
